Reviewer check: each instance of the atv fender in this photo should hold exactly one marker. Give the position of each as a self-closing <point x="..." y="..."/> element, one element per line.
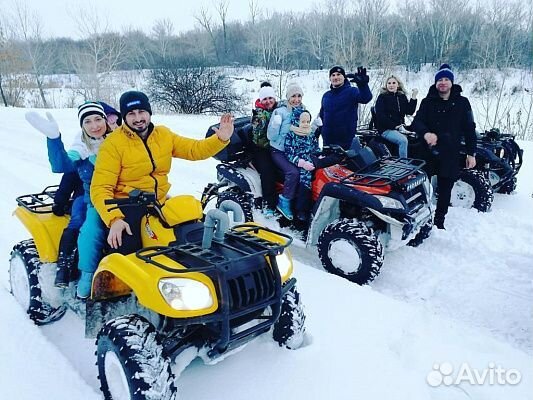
<point x="118" y="274"/>
<point x="327" y="206"/>
<point x="247" y="179"/>
<point x="46" y="230"/>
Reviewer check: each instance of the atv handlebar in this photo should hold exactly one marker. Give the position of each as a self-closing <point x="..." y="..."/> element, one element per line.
<point x="135" y="198"/>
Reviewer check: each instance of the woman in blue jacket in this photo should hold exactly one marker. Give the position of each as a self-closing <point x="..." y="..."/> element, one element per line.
<point x="80" y="158"/>
<point x="391" y="108"/>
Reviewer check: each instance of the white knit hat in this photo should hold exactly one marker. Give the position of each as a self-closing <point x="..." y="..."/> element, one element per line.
<point x="292" y="89"/>
<point x="265" y="92"/>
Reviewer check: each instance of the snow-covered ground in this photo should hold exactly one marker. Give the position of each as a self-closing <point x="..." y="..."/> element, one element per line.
<point x="464" y="296"/>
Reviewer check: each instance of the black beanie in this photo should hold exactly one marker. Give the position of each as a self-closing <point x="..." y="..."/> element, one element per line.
<point x="338" y="69"/>
<point x="134" y="100"/>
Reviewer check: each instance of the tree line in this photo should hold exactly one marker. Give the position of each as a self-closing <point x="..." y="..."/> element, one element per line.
<point x="464" y="33"/>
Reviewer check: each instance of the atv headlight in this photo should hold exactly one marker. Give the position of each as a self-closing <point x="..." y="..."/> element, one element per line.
<point x="284" y="264"/>
<point x="185" y="294"/>
<point x="389" y="202"/>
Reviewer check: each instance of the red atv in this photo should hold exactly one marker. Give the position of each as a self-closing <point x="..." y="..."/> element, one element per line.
<point x="361" y="206"/>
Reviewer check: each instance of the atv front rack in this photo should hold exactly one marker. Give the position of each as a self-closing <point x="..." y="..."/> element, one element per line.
<point x="385" y="171"/>
<point x="40" y="203"/>
<point x="238" y="241"/>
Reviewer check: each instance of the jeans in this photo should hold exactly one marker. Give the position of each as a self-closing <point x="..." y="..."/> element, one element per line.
<point x="397" y="138"/>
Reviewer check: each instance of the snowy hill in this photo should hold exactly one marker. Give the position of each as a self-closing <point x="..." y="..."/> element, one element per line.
<point x="464" y="296"/>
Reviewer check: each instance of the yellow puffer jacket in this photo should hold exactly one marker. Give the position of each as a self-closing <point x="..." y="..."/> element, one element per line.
<point x="125" y="162"/>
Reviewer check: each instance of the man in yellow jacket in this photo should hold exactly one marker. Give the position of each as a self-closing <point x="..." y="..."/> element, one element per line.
<point x="138" y="155"/>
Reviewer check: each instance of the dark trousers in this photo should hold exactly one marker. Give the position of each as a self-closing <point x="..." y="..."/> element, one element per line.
<point x="132" y="243"/>
<point x="290" y="171"/>
<point x="444" y="186"/>
<point x="303" y="199"/>
<point x="262" y="161"/>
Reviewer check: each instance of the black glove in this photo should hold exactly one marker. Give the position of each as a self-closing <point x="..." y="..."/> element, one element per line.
<point x="59" y="209"/>
<point x="360" y="78"/>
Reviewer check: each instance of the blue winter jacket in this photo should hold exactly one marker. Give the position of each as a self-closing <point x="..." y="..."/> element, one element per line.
<point x="339" y="113"/>
<point x="63" y="161"/>
<point x="277" y="133"/>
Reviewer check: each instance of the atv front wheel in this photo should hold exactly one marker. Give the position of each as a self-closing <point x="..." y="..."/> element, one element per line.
<point x="24" y="282"/>
<point x="289" y="329"/>
<point x="508" y="187"/>
<point x="244" y="200"/>
<point x="350" y="249"/>
<point x="472" y="190"/>
<point x="423" y="234"/>
<point x="131" y="361"/>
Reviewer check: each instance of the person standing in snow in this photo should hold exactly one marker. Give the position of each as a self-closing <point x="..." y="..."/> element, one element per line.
<point x="84" y="219"/>
<point x="391" y="108"/>
<point x="443" y="119"/>
<point x="301" y="144"/>
<point x="138" y="155"/>
<point x="278" y="128"/>
<point x="340" y="104"/>
<point x="260" y="148"/>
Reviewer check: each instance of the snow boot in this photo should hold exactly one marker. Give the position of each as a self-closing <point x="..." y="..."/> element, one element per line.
<point x="284" y="207"/>
<point x="84" y="285"/>
<point x="438" y="220"/>
<point x="66" y="259"/>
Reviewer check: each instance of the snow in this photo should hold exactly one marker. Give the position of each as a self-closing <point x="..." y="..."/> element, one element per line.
<point x="464" y="296"/>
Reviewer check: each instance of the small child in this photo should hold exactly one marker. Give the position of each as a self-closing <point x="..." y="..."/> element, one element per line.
<point x="300" y="144"/>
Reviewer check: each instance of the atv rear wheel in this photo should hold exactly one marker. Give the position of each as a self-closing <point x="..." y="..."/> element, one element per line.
<point x="24" y="282"/>
<point x="244" y="200"/>
<point x="131" y="361"/>
<point x="472" y="190"/>
<point x="423" y="234"/>
<point x="350" y="249"/>
<point x="289" y="329"/>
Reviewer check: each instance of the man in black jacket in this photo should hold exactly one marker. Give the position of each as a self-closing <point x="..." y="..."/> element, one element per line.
<point x="443" y="119"/>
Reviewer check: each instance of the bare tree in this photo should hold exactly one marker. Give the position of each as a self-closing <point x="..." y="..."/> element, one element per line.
<point x="102" y="52"/>
<point x="206" y="21"/>
<point x="222" y="10"/>
<point x="30" y="31"/>
<point x="162" y="32"/>
<point x="253" y="6"/>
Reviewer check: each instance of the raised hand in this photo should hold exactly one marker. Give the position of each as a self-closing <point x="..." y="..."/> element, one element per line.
<point x="225" y="129"/>
<point x="47" y="127"/>
<point x="361" y="77"/>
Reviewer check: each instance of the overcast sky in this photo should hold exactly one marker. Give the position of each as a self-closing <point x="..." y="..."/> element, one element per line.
<point x="57" y="20"/>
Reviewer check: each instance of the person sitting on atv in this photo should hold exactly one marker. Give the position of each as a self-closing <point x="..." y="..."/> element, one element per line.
<point x="260" y="147"/>
<point x="278" y="128"/>
<point x="114" y="119"/>
<point x="443" y="119"/>
<point x="138" y="155"/>
<point x="391" y="108"/>
<point x="300" y="144"/>
<point x="79" y="158"/>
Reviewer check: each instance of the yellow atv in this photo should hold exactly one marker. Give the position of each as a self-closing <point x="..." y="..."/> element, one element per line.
<point x="198" y="287"/>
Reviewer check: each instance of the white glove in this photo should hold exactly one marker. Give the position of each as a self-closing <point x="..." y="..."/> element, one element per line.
<point x="48" y="126"/>
<point x="276" y="120"/>
<point x="316" y="123"/>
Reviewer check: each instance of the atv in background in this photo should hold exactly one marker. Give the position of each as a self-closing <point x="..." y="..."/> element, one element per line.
<point x="198" y="288"/>
<point x="362" y="206"/>
<point x="471" y="190"/>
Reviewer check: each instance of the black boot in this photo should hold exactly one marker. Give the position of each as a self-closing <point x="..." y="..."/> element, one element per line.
<point x="66" y="259"/>
<point x="438" y="221"/>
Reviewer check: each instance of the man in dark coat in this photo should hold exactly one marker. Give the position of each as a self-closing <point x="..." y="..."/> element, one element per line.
<point x="443" y="119"/>
<point x="340" y="105"/>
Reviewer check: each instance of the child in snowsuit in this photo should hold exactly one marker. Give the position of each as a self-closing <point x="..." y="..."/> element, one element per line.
<point x="300" y="144"/>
